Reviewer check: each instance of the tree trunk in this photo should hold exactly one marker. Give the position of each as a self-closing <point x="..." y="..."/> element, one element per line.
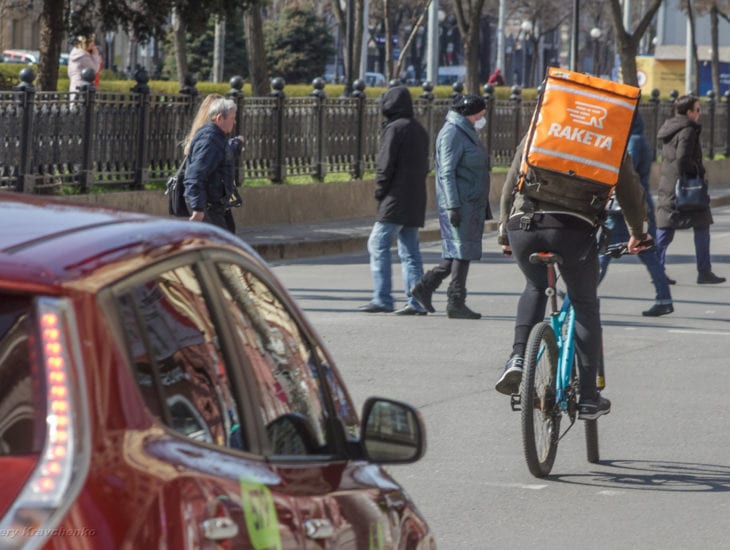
<point x="627" y="44"/>
<point x="257" y="68"/>
<point x="694" y="85"/>
<point x="715" y="40"/>
<point x="181" y="53"/>
<point x="388" y="42"/>
<point x="468" y="16"/>
<point x="218" y="48"/>
<point x="51" y="28"/>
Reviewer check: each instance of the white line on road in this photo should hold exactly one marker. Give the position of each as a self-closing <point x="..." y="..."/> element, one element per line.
<point x="533" y="487"/>
<point x="705" y="332"/>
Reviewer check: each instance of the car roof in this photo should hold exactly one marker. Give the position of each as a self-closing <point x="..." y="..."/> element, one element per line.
<point x="52" y="243"/>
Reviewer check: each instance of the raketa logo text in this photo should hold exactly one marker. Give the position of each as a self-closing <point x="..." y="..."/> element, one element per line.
<point x="599" y="141"/>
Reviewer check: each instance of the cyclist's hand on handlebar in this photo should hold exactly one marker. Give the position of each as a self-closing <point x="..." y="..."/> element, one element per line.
<point x="637" y="245"/>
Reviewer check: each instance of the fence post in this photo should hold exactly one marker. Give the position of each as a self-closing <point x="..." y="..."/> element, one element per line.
<point x="277" y="168"/>
<point x="428" y="96"/>
<point x="727" y="123"/>
<point x="654" y="100"/>
<point x="515" y="98"/>
<point x="319" y="94"/>
<point x="26" y="181"/>
<point x="457" y="89"/>
<point x="711" y="103"/>
<point x="141" y="88"/>
<point x="359" y="94"/>
<point x="236" y="94"/>
<point x="489" y="101"/>
<point x="87" y="90"/>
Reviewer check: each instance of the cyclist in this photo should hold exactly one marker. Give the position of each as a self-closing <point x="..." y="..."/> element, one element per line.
<point x="529" y="225"/>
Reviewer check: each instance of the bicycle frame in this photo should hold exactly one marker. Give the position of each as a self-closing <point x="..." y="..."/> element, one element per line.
<point x="562" y="321"/>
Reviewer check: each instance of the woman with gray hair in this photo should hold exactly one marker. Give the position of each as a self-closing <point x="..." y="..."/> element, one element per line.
<point x="209" y="175"/>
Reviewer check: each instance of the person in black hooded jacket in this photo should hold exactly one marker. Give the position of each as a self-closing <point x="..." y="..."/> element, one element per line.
<point x="401" y="168"/>
<point x="682" y="155"/>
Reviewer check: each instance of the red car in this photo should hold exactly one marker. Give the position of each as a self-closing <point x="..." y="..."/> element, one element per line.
<point x="160" y="389"/>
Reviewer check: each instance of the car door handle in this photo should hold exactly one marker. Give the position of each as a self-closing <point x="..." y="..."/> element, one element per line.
<point x="219" y="528"/>
<point x="318" y="528"/>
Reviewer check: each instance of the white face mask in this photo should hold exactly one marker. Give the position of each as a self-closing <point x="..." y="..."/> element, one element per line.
<point x="481" y="123"/>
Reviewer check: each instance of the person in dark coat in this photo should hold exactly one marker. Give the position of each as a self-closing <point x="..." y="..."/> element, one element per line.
<point x="682" y="155"/>
<point x="400" y="189"/>
<point x="209" y="175"/>
<point x="462" y="193"/>
<point x="640" y="152"/>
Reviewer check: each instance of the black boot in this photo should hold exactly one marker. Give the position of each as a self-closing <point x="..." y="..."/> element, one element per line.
<point x="456" y="309"/>
<point x="423" y="290"/>
<point x="707" y="277"/>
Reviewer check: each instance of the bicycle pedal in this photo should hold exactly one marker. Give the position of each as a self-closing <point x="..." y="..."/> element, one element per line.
<point x="515" y="402"/>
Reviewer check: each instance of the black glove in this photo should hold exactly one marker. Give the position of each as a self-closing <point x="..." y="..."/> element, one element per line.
<point x="455" y="216"/>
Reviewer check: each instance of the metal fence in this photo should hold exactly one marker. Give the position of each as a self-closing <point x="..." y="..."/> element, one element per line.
<point x="51" y="140"/>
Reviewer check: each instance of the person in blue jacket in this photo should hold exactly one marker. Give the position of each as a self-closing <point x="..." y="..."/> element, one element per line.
<point x="640" y="152"/>
<point x="209" y="174"/>
<point x="462" y="193"/>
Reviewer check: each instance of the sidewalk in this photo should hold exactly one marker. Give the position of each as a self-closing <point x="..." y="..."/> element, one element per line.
<point x="288" y="242"/>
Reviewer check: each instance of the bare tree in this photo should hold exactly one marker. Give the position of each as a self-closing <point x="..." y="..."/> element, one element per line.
<point x="257" y="67"/>
<point x="51" y="29"/>
<point x="468" y="18"/>
<point x="627" y="43"/>
<point x="179" y="32"/>
<point x="340" y="15"/>
<point x="716" y="9"/>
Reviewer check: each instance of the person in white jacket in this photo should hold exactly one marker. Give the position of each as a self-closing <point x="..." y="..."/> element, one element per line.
<point x="84" y="55"/>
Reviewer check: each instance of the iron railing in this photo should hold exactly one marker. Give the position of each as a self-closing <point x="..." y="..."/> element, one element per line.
<point x="50" y="140"/>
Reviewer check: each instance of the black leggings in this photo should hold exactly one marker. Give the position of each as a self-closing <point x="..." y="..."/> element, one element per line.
<point x="574" y="240"/>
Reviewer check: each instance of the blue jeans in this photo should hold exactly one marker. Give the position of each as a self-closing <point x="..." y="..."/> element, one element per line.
<point x="650" y="258"/>
<point x="379" y="243"/>
<point x="665" y="236"/>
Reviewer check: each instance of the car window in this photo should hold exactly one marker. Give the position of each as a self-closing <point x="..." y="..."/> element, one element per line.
<point x="21" y="416"/>
<point x="285" y="365"/>
<point x="176" y="351"/>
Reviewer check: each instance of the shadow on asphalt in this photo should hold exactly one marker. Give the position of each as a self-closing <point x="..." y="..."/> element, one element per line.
<point x="654" y="475"/>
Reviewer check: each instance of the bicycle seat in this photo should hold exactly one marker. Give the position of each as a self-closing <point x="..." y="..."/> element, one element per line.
<point x="545" y="258"/>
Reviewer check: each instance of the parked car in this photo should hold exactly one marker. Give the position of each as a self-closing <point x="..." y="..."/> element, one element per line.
<point x="374" y="80"/>
<point x="159" y="388"/>
<point x="29" y="57"/>
<point x="449" y="74"/>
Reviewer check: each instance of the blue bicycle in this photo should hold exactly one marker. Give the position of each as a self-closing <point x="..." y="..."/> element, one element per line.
<point x="550" y="385"/>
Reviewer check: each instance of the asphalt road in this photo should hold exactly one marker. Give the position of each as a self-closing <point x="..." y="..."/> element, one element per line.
<point x="664" y="478"/>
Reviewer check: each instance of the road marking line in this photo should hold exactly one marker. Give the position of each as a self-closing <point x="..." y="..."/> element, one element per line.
<point x="705" y="332"/>
<point x="531" y="486"/>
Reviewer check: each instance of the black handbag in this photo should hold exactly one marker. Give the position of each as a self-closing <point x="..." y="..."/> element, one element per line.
<point x="691" y="194"/>
<point x="175" y="189"/>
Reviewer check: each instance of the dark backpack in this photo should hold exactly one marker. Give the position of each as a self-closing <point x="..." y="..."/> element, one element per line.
<point x="176" y="205"/>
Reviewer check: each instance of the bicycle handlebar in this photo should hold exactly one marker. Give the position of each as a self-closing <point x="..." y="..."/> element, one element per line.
<point x="619" y="249"/>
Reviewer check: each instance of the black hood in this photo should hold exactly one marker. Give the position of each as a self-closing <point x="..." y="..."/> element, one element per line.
<point x="396" y="103"/>
<point x="673" y="125"/>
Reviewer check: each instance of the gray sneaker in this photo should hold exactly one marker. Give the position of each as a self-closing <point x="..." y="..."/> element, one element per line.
<point x="509" y="382"/>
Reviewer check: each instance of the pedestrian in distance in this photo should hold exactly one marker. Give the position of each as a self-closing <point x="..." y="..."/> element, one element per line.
<point x="641" y="158"/>
<point x="462" y="193"/>
<point x="400" y="190"/>
<point x="682" y="156"/>
<point x="209" y="174"/>
<point x="83" y="55"/>
<point x="496" y="78"/>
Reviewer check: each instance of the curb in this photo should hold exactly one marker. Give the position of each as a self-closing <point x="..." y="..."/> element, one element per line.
<point x="304" y="247"/>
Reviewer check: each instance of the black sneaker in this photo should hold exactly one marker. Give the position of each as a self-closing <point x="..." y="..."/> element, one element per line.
<point x="509" y="382"/>
<point x="590" y="410"/>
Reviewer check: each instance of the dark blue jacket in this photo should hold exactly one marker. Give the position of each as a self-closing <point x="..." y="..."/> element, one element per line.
<point x="209" y="174"/>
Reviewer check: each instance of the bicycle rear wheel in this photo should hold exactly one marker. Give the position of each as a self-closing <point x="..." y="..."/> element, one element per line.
<point x="592" y="441"/>
<point x="540" y="414"/>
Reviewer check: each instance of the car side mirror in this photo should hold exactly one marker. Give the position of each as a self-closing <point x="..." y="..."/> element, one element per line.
<point x="393" y="432"/>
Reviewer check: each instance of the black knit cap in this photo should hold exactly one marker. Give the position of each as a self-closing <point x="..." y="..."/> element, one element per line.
<point x="468" y="104"/>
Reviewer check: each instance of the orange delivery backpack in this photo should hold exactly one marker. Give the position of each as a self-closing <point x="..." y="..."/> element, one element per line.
<point x="577" y="140"/>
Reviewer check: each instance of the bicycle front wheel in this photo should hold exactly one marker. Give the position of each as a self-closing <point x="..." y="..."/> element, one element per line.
<point x="540" y="413"/>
